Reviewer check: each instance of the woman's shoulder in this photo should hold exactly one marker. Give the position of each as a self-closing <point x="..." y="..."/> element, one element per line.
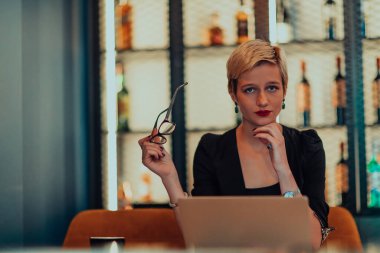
<point x="213" y="139"/>
<point x="308" y="139"/>
<point x="214" y="143"/>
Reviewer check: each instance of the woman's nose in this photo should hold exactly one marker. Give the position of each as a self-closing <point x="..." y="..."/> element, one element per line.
<point x="262" y="99"/>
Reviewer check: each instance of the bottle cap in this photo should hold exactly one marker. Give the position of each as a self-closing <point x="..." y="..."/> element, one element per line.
<point x="338" y="61"/>
<point x="303" y="66"/>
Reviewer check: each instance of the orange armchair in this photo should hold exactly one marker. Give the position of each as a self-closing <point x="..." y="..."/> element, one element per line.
<point x="346" y="235"/>
<point x="140" y="227"/>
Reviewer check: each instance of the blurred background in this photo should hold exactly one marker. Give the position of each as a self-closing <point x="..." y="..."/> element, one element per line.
<point x="81" y="81"/>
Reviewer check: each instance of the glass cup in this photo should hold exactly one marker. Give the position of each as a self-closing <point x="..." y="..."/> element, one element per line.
<point x="107" y="243"/>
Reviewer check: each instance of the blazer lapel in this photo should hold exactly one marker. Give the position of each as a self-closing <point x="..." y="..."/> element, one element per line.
<point x="228" y="167"/>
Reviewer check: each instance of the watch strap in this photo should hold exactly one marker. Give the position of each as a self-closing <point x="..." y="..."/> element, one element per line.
<point x="172" y="205"/>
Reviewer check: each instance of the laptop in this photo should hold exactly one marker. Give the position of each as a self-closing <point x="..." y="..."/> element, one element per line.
<point x="235" y="222"/>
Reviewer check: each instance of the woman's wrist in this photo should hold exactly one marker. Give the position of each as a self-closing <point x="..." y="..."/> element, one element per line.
<point x="172" y="176"/>
<point x="281" y="163"/>
<point x="287" y="181"/>
<point x="173" y="186"/>
<point x="175" y="204"/>
<point x="284" y="172"/>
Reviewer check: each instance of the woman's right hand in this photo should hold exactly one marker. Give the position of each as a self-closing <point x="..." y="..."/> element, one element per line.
<point x="156" y="158"/>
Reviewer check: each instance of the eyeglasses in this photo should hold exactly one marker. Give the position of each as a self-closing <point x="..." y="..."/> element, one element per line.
<point x="166" y="127"/>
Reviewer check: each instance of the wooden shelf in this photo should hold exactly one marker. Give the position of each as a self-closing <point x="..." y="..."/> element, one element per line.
<point x="303" y="43"/>
<point x="143" y="50"/>
<point x="321" y="127"/>
<point x="200" y="130"/>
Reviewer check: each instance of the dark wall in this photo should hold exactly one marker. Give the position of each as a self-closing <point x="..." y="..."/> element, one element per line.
<point x="43" y="119"/>
<point x="369" y="229"/>
<point x="11" y="141"/>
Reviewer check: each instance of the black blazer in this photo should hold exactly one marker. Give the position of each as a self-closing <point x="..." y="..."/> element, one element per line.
<point x="217" y="169"/>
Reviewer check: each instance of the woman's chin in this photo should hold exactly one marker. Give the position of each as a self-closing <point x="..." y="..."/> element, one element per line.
<point x="261" y="122"/>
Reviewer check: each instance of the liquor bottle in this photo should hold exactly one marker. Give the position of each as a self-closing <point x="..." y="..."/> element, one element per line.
<point x="339" y="95"/>
<point x="304" y="97"/>
<point x="341" y="177"/>
<point x="216" y="36"/>
<point x="366" y="10"/>
<point x="147" y="194"/>
<point x="123" y="25"/>
<point x="124" y="196"/>
<point x="330" y="19"/>
<point x="122" y="100"/>
<point x="242" y="24"/>
<point x="373" y="169"/>
<point x="363" y="20"/>
<point x="284" y="28"/>
<point x="376" y="91"/>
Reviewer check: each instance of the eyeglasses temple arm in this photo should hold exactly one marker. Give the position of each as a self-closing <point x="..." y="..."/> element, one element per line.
<point x="172" y="101"/>
<point x="155" y="123"/>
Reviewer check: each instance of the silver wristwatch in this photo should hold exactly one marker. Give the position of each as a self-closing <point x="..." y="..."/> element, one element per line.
<point x="291" y="194"/>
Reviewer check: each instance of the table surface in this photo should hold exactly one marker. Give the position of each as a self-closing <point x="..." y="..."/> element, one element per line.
<point x="370" y="248"/>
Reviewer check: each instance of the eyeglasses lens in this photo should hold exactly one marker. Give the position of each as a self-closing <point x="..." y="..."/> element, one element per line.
<point x="167" y="128"/>
<point x="159" y="139"/>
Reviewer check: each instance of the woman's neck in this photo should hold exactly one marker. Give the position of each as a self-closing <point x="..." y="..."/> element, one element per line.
<point x="244" y="134"/>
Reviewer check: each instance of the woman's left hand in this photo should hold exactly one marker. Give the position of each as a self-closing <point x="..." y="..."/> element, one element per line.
<point x="271" y="136"/>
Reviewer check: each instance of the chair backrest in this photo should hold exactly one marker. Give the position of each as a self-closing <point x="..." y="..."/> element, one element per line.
<point x="145" y="226"/>
<point x="346" y="235"/>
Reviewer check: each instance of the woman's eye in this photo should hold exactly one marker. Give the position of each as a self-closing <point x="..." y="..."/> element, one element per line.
<point x="272" y="88"/>
<point x="249" y="90"/>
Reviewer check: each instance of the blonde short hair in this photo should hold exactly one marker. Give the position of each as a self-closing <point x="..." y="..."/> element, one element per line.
<point x="251" y="54"/>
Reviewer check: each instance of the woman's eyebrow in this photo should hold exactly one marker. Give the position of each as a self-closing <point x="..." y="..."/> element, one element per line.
<point x="255" y="85"/>
<point x="273" y="82"/>
<point x="248" y="85"/>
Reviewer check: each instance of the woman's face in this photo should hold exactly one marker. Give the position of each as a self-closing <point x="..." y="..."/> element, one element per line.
<point x="259" y="94"/>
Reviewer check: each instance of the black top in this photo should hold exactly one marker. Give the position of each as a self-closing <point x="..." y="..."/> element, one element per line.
<point x="217" y="169"/>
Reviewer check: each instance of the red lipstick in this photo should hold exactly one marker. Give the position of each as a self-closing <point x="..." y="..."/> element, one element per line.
<point x="263" y="113"/>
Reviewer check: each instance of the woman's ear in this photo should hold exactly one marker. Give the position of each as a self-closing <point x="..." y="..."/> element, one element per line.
<point x="233" y="97"/>
<point x="232" y="91"/>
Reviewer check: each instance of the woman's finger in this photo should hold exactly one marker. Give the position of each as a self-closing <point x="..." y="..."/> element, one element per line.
<point x="154" y="133"/>
<point x="152" y="146"/>
<point x="271" y="129"/>
<point x="147" y="152"/>
<point x="154" y="154"/>
<point x="265" y="138"/>
<point x="143" y="140"/>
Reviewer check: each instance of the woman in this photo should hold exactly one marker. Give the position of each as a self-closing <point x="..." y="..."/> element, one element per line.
<point x="260" y="156"/>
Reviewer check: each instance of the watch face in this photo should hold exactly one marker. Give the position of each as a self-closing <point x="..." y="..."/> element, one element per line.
<point x="289" y="194"/>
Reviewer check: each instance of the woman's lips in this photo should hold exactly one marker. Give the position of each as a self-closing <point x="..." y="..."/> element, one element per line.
<point x="264" y="113"/>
